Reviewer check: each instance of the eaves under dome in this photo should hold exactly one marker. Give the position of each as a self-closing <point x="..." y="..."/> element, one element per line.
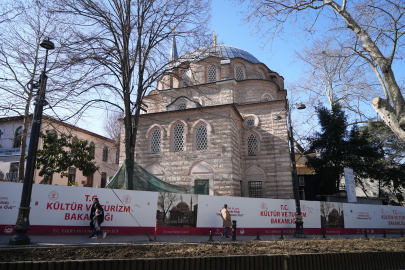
<point x="221" y="51"/>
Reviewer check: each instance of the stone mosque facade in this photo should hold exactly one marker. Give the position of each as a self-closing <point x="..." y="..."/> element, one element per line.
<point x="212" y="120"/>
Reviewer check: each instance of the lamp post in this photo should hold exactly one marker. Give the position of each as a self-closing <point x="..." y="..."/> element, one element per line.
<point x="22" y="224"/>
<point x="299" y="224"/>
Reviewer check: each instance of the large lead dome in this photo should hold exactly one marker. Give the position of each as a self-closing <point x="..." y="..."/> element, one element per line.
<point x="221" y="51"/>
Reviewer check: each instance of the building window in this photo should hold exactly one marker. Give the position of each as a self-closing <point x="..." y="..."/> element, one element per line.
<point x="186" y="78"/>
<point x="255" y="189"/>
<point x="13" y="174"/>
<point x="182" y="106"/>
<point x="48" y="180"/>
<point x="103" y="179"/>
<point x="260" y="75"/>
<point x="201" y="138"/>
<point x="105" y="153"/>
<point x="117" y="157"/>
<point x="212" y="73"/>
<point x="71" y="175"/>
<point x="239" y="76"/>
<point x="93" y="151"/>
<point x="301" y="181"/>
<point x="252" y="144"/>
<point x="250" y="122"/>
<point x="18" y="137"/>
<point x="74" y="141"/>
<point x="178" y="138"/>
<point x="241" y="188"/>
<point x="155" y="141"/>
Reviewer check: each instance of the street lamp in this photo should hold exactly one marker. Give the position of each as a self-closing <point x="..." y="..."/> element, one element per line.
<point x="299" y="224"/>
<point x="22" y="224"/>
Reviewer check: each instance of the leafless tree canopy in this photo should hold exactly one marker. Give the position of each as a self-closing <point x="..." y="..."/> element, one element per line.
<point x="127" y="43"/>
<point x="22" y="60"/>
<point x="372" y="30"/>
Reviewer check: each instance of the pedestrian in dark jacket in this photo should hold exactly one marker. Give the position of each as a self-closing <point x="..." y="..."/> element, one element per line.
<point x="97" y="220"/>
<point x="92" y="210"/>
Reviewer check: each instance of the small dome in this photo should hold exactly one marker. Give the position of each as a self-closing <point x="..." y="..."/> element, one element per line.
<point x="221" y="51"/>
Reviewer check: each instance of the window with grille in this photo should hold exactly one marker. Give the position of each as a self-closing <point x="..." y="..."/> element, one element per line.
<point x="255" y="189"/>
<point x="155" y="141"/>
<point x="202" y="182"/>
<point x="117" y="157"/>
<point x="266" y="99"/>
<point x="212" y="73"/>
<point x="250" y="122"/>
<point x="105" y="153"/>
<point x="186" y="78"/>
<point x="260" y="75"/>
<point x="18" y="137"/>
<point x="182" y="106"/>
<point x="252" y="145"/>
<point x="201" y="138"/>
<point x="239" y="76"/>
<point x="178" y="138"/>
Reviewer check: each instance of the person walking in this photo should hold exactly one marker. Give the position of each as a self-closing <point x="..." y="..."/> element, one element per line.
<point x="227" y="222"/>
<point x="92" y="210"/>
<point x="97" y="220"/>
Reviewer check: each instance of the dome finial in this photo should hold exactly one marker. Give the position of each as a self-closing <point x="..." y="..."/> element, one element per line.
<point x="215" y="38"/>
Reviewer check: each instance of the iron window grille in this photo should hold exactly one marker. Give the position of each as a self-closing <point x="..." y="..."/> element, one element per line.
<point x="182" y="106"/>
<point x="252" y="145"/>
<point x="250" y="122"/>
<point x="178" y="138"/>
<point x="201" y="138"/>
<point x="239" y="76"/>
<point x="255" y="189"/>
<point x="212" y="73"/>
<point x="155" y="141"/>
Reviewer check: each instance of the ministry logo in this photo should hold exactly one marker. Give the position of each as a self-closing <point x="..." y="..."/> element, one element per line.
<point x="53" y="195"/>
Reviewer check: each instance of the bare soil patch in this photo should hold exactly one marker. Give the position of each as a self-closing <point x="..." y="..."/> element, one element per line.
<point x="167" y="250"/>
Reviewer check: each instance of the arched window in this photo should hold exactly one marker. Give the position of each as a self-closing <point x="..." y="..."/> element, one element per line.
<point x="186" y="78"/>
<point x="93" y="150"/>
<point x="212" y="73"/>
<point x="182" y="106"/>
<point x="239" y="75"/>
<point x="155" y="141"/>
<point x="18" y="137"/>
<point x="252" y="145"/>
<point x="260" y="75"/>
<point x="201" y="138"/>
<point x="178" y="138"/>
<point x="105" y="153"/>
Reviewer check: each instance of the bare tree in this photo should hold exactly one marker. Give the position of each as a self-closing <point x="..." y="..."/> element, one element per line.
<point x="166" y="202"/>
<point x="21" y="61"/>
<point x="129" y="41"/>
<point x="112" y="126"/>
<point x="373" y="30"/>
<point x="331" y="74"/>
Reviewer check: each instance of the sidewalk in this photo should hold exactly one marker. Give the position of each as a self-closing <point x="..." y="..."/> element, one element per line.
<point x="79" y="240"/>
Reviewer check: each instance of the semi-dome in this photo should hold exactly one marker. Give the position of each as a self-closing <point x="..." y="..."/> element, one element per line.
<point x="221" y="51"/>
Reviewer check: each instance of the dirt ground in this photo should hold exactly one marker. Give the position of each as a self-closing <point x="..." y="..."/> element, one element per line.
<point x="200" y="249"/>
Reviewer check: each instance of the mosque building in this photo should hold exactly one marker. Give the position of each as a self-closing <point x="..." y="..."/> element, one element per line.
<point x="212" y="120"/>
